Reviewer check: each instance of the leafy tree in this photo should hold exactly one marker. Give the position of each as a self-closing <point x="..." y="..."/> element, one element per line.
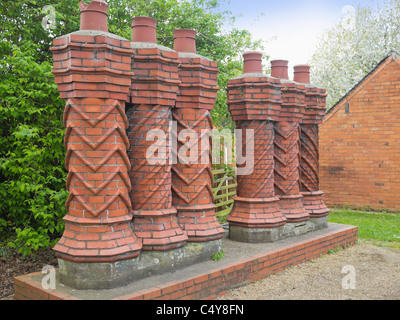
<point x="32" y="178"/>
<point x="350" y="50"/>
<point x="32" y="173"/>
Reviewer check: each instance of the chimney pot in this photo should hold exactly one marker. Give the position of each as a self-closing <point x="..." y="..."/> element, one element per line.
<point x="252" y="62"/>
<point x="279" y="69"/>
<point x="302" y="74"/>
<point x="144" y="29"/>
<point x="94" y="15"/>
<point x="185" y="40"/>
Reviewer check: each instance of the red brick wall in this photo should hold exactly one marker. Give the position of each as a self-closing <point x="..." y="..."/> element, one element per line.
<point x="360" y="151"/>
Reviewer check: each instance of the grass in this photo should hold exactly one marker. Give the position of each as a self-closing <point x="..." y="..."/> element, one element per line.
<point x="381" y="229"/>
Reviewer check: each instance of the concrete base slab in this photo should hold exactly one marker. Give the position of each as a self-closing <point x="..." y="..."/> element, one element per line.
<point x="111" y="275"/>
<point x="266" y="235"/>
<point x="243" y="263"/>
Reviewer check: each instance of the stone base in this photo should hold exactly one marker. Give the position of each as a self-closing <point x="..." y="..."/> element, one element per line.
<point x="97" y="276"/>
<point x="265" y="235"/>
<point x="242" y="264"/>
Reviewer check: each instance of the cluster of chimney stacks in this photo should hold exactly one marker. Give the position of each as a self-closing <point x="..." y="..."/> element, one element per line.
<point x="284" y="185"/>
<point x="117" y="91"/>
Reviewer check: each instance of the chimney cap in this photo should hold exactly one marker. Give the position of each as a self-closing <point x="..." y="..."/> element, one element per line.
<point x="144" y="29"/>
<point x="279" y="69"/>
<point x="252" y="62"/>
<point x="94" y="15"/>
<point x="302" y="73"/>
<point x="280" y="62"/>
<point x="185" y="40"/>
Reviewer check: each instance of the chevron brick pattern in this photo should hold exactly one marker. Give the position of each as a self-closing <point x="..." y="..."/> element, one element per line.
<point x="153" y="93"/>
<point x="313" y="115"/>
<point x="309" y="158"/>
<point x="254" y="103"/>
<point x="287" y="158"/>
<point x="287" y="152"/>
<point x="192" y="180"/>
<point x="260" y="183"/>
<point x="94" y="81"/>
<point x="256" y="205"/>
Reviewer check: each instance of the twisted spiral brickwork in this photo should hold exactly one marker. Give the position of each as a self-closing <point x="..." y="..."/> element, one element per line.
<point x="309" y="158"/>
<point x="287" y="158"/>
<point x="260" y="183"/>
<point x="146" y="194"/>
<point x="256" y="205"/>
<point x="192" y="181"/>
<point x="287" y="171"/>
<point x="153" y="93"/>
<point x="97" y="225"/>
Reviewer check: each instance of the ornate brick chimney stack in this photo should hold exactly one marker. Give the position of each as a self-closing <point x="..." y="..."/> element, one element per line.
<point x="287" y="141"/>
<point x="153" y="93"/>
<point x="97" y="236"/>
<point x="313" y="116"/>
<point x="254" y="101"/>
<point x="192" y="178"/>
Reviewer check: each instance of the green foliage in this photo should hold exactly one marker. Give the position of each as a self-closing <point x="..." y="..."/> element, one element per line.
<point x="218" y="256"/>
<point x="32" y="174"/>
<point x="32" y="178"/>
<point x="21" y="21"/>
<point x="351" y="49"/>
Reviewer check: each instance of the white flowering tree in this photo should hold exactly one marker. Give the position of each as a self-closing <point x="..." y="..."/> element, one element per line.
<point x="350" y="50"/>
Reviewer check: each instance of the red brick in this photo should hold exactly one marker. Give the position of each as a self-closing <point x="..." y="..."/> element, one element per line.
<point x="357" y="150"/>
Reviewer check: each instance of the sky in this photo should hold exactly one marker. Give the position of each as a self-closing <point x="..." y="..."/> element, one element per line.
<point x="296" y="24"/>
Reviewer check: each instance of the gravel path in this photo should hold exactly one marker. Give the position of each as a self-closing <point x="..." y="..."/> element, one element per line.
<point x="377" y="277"/>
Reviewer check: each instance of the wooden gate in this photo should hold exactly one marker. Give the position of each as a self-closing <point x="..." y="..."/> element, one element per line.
<point x="224" y="187"/>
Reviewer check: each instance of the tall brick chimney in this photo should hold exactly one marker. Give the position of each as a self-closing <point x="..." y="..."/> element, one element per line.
<point x="313" y="116"/>
<point x="192" y="180"/>
<point x="287" y="151"/>
<point x="254" y="101"/>
<point x="154" y="91"/>
<point x="97" y="232"/>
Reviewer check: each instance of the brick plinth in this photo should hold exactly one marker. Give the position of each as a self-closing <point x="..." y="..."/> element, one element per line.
<point x="92" y="70"/>
<point x="287" y="152"/>
<point x="313" y="116"/>
<point x="192" y="177"/>
<point x="254" y="103"/>
<point x="204" y="282"/>
<point x="153" y="93"/>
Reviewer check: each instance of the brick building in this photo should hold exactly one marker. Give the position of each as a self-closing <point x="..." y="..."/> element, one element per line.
<point x="360" y="142"/>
